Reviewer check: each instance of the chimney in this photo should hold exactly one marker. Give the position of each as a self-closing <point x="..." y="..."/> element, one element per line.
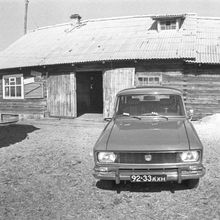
<point x="76" y="18"/>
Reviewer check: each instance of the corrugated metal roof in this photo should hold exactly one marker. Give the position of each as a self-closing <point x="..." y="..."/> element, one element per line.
<point x="125" y="38"/>
<point x="208" y="41"/>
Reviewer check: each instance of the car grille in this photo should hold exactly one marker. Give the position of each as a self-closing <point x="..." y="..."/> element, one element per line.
<point x="139" y="158"/>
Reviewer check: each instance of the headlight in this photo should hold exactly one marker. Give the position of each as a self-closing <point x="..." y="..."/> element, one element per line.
<point x="189" y="156"/>
<point x="106" y="157"/>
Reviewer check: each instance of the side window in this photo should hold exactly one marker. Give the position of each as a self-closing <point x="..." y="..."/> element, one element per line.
<point x="13" y="87"/>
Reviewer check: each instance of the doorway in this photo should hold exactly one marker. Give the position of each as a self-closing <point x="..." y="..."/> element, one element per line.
<point x="89" y="90"/>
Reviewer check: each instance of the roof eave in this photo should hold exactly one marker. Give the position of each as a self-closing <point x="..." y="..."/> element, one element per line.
<point x="94" y="61"/>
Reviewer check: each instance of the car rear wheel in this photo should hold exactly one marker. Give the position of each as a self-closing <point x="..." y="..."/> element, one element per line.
<point x="192" y="183"/>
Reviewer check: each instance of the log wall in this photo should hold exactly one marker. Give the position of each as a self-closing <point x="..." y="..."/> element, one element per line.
<point x="34" y="103"/>
<point x="200" y="84"/>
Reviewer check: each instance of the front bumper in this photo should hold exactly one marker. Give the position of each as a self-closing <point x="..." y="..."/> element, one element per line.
<point x="173" y="174"/>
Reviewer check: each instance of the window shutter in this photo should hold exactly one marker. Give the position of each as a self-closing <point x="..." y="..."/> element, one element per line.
<point x="33" y="90"/>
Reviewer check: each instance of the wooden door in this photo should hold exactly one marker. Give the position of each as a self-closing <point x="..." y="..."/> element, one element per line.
<point x="61" y="100"/>
<point x="113" y="81"/>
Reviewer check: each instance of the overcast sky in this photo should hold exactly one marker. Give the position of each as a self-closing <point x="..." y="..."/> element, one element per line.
<point x="49" y="12"/>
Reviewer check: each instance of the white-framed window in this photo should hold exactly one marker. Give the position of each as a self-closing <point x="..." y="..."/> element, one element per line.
<point x="13" y="86"/>
<point x="149" y="80"/>
<point x="168" y="25"/>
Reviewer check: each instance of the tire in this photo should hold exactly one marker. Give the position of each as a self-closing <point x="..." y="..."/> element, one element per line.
<point x="192" y="183"/>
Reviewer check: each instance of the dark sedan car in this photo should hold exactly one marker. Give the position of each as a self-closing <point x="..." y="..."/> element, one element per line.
<point x="149" y="139"/>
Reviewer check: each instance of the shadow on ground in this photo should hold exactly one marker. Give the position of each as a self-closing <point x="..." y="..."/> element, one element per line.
<point x="11" y="134"/>
<point x="141" y="187"/>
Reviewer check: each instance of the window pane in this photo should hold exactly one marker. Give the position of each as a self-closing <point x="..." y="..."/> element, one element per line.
<point x="12" y="91"/>
<point x="156" y="79"/>
<point x="6" y="81"/>
<point x="163" y="27"/>
<point x="12" y="80"/>
<point x="151" y="79"/>
<point x="18" y="91"/>
<point x="173" y="25"/>
<point x="18" y="80"/>
<point x="7" y="91"/>
<point x="145" y="80"/>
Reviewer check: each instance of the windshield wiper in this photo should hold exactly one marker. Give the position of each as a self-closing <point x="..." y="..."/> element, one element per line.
<point x="155" y="114"/>
<point x="128" y="115"/>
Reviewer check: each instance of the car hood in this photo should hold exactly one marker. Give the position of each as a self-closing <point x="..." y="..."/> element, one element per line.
<point x="149" y="135"/>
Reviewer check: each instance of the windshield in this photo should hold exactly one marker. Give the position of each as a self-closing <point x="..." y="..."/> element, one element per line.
<point x="140" y="105"/>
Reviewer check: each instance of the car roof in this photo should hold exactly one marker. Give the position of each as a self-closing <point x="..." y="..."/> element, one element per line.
<point x="150" y="90"/>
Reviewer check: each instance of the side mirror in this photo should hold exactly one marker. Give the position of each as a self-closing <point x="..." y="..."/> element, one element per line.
<point x="107" y="119"/>
<point x="190" y="113"/>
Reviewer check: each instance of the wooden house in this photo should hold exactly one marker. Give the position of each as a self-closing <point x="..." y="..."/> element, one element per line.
<point x="74" y="68"/>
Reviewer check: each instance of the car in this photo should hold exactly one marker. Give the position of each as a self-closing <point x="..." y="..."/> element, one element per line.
<point x="150" y="138"/>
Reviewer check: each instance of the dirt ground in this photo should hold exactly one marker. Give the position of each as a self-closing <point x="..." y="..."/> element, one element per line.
<point x="46" y="173"/>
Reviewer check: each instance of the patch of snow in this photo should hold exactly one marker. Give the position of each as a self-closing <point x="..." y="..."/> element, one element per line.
<point x="213" y="120"/>
<point x="209" y="127"/>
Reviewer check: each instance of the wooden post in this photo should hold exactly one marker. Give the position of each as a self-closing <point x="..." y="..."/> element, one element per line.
<point x="25" y="16"/>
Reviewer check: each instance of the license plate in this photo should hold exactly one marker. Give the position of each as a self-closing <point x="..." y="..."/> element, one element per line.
<point x="148" y="178"/>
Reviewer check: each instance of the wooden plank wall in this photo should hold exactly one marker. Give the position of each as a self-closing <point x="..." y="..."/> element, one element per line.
<point x="201" y="92"/>
<point x="203" y="89"/>
<point x="201" y="85"/>
<point x="33" y="106"/>
<point x="27" y="107"/>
